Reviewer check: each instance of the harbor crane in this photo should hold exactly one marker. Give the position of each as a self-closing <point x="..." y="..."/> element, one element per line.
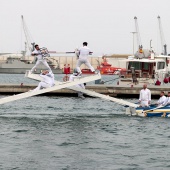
<point x="139" y="43"/>
<point x="29" y="39"/>
<point x="163" y="44"/>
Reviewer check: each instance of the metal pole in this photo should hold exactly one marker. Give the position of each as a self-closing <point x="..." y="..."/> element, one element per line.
<point x="151" y="45"/>
<point x="133" y="40"/>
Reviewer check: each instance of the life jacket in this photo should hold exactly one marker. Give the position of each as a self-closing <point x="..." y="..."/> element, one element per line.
<point x="158" y="83"/>
<point x="66" y="69"/>
<point x="166" y="80"/>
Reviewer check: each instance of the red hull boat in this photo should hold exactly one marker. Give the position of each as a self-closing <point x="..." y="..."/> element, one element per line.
<point x="105" y="68"/>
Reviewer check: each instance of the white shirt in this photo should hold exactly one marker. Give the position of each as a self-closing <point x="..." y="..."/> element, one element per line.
<point x="51" y="75"/>
<point x="38" y="53"/>
<point x="72" y="77"/>
<point x="161" y="100"/>
<point x="145" y="95"/>
<point x="84" y="52"/>
<point x="167" y="101"/>
<point x="48" y="78"/>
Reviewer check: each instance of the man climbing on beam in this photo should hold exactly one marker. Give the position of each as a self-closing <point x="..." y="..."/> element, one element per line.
<point x="48" y="80"/>
<point x="72" y="77"/>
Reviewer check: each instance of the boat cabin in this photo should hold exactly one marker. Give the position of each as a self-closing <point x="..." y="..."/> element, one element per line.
<point x="140" y="69"/>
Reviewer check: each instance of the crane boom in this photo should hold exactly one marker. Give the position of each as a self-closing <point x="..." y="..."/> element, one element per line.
<point x="163" y="44"/>
<point x="139" y="43"/>
<point x="27" y="36"/>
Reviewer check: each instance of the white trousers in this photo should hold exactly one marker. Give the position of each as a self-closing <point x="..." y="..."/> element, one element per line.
<point x="39" y="62"/>
<point x="80" y="86"/>
<point x="144" y="103"/>
<point x="42" y="85"/>
<point x="81" y="61"/>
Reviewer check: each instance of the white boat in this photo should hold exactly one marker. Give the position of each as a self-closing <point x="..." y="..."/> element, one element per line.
<point x="152" y="70"/>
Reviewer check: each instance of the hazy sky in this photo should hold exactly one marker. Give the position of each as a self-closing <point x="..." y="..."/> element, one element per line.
<point x="62" y="25"/>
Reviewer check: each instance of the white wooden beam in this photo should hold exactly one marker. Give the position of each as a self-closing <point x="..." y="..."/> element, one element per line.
<point x="88" y="92"/>
<point x="58" y="86"/>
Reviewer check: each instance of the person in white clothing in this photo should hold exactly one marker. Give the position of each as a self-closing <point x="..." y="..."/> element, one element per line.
<point x="40" y="59"/>
<point x="167" y="101"/>
<point x="162" y="99"/>
<point x="83" y="53"/>
<point x="145" y="96"/>
<point x="48" y="80"/>
<point x="72" y="77"/>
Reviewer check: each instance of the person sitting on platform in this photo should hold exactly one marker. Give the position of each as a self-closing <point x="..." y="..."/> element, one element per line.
<point x="48" y="80"/>
<point x="162" y="98"/>
<point x="145" y="96"/>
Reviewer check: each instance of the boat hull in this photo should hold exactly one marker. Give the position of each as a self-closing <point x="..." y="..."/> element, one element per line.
<point x="103" y="71"/>
<point x="152" y="111"/>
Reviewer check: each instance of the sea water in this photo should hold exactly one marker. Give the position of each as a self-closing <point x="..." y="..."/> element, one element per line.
<point x="68" y="133"/>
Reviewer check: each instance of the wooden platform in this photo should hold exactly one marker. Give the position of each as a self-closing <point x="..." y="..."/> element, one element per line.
<point x="119" y="91"/>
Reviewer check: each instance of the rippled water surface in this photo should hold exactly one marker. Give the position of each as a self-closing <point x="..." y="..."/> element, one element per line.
<point x="68" y="133"/>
